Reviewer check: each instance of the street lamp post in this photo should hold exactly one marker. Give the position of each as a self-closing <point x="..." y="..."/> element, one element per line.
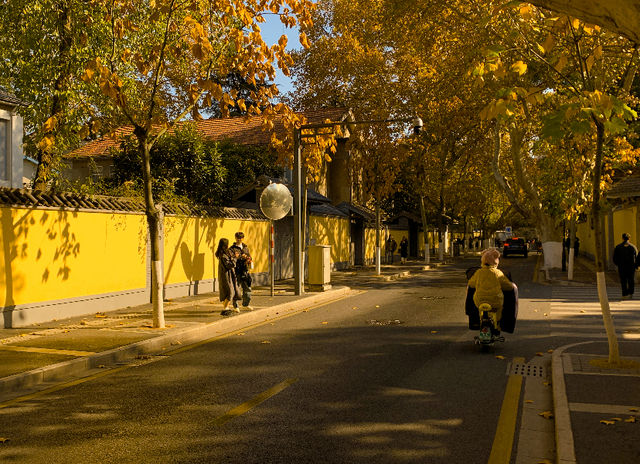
<point x="298" y="137"/>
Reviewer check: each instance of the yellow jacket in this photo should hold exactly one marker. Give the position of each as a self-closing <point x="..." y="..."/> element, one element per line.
<point x="489" y="283"/>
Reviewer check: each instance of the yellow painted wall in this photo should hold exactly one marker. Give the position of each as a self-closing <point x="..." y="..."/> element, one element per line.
<point x="625" y="220"/>
<point x="397" y="234"/>
<point x="370" y="245"/>
<point x="190" y="244"/>
<point x="51" y="255"/>
<point x="332" y="231"/>
<point x="587" y="238"/>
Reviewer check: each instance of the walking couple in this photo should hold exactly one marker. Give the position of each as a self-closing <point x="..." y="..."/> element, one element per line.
<point x="234" y="280"/>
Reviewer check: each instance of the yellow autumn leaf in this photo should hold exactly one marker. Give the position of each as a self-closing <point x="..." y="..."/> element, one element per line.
<point x="377" y="306"/>
<point x="265" y="342"/>
<point x="546" y="414"/>
<point x="304" y="40"/>
<point x="50" y="124"/>
<point x="499" y="356"/>
<point x="549" y="351"/>
<point x="434" y="331"/>
<point x="46" y="143"/>
<point x="544" y="461"/>
<point x="607" y="422"/>
<point x="3" y="440"/>
<point x="631" y="419"/>
<point x="528" y="401"/>
<point x="634" y="409"/>
<point x="539" y="353"/>
<point x="519" y="67"/>
<point x="355" y="307"/>
<point x="324" y="322"/>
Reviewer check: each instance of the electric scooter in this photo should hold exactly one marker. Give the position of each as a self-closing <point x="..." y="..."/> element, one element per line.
<point x="480" y="318"/>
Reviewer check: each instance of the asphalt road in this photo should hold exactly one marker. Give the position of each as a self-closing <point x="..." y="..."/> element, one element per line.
<point x="389" y="376"/>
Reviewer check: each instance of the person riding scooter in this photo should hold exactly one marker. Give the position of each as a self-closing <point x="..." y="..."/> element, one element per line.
<point x="489" y="283"/>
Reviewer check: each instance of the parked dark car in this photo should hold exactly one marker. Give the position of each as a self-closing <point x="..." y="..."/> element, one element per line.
<point x="515" y="246"/>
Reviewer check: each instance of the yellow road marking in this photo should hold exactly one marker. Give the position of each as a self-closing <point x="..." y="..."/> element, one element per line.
<point x="505" y="432"/>
<point x="72" y="383"/>
<point x="252" y="403"/>
<point x="62" y="386"/>
<point x="536" y="270"/>
<point x="33" y="349"/>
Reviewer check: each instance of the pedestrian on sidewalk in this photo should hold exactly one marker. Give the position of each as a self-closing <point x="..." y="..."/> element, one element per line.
<point x="625" y="256"/>
<point x="390" y="248"/>
<point x="227" y="281"/>
<point x="404" y="250"/>
<point x="243" y="266"/>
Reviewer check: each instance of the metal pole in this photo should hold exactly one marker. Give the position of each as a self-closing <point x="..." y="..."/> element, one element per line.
<point x="272" y="259"/>
<point x="298" y="269"/>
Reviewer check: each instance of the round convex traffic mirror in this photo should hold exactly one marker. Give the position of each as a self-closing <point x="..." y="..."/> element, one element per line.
<point x="276" y="201"/>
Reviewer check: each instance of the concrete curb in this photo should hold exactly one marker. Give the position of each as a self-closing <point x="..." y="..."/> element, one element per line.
<point x="162" y="343"/>
<point x="565" y="449"/>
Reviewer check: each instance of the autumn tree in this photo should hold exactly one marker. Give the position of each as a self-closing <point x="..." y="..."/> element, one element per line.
<point x="165" y="60"/>
<point x="43" y="49"/>
<point x="573" y="89"/>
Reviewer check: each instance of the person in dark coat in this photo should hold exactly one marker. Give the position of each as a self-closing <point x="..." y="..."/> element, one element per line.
<point x="625" y="256"/>
<point x="404" y="250"/>
<point x="227" y="281"/>
<point x="243" y="266"/>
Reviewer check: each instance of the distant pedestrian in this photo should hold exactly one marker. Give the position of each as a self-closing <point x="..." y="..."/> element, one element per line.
<point x="227" y="281"/>
<point x="243" y="266"/>
<point x="404" y="250"/>
<point x="390" y="248"/>
<point x="576" y="247"/>
<point x="625" y="256"/>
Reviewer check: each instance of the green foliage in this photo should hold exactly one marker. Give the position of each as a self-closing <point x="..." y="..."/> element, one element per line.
<point x="183" y="166"/>
<point x="187" y="168"/>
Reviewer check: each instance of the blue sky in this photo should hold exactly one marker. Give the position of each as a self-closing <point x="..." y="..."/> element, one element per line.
<point x="272" y="29"/>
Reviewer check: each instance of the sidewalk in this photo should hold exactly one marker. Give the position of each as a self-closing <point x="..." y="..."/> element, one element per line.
<point x="596" y="408"/>
<point x="38" y="356"/>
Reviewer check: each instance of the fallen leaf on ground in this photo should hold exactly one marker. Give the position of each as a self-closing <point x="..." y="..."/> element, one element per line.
<point x="631" y="419"/>
<point x="539" y="353"/>
<point x="83" y="322"/>
<point x="241" y="333"/>
<point x="100" y="315"/>
<point x="434" y="331"/>
<point x="617" y="419"/>
<point x="528" y="401"/>
<point x="355" y="307"/>
<point x="377" y="306"/>
<point x="544" y="461"/>
<point x="634" y="409"/>
<point x="549" y="351"/>
<point x="102" y="366"/>
<point x="324" y="322"/>
<point x="535" y="310"/>
<point x="545" y="314"/>
<point x="607" y="422"/>
<point x="3" y="440"/>
<point x="546" y="384"/>
<point x="264" y="342"/>
<point x="546" y="414"/>
<point x="499" y="357"/>
<point x="582" y="311"/>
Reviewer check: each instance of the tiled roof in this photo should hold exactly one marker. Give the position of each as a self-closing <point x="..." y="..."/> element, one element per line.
<point x="350" y="208"/>
<point x="241" y="130"/>
<point x="627" y="188"/>
<point x="325" y="210"/>
<point x="35" y="198"/>
<point x="10" y="99"/>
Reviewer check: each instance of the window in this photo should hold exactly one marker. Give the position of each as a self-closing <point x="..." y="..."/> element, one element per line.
<point x="4" y="150"/>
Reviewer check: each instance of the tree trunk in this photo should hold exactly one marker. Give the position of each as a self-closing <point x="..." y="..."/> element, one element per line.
<point x="378" y="257"/>
<point x="423" y="213"/>
<point x="153" y="222"/>
<point x="60" y="86"/>
<point x="572" y="239"/>
<point x="614" y="352"/>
